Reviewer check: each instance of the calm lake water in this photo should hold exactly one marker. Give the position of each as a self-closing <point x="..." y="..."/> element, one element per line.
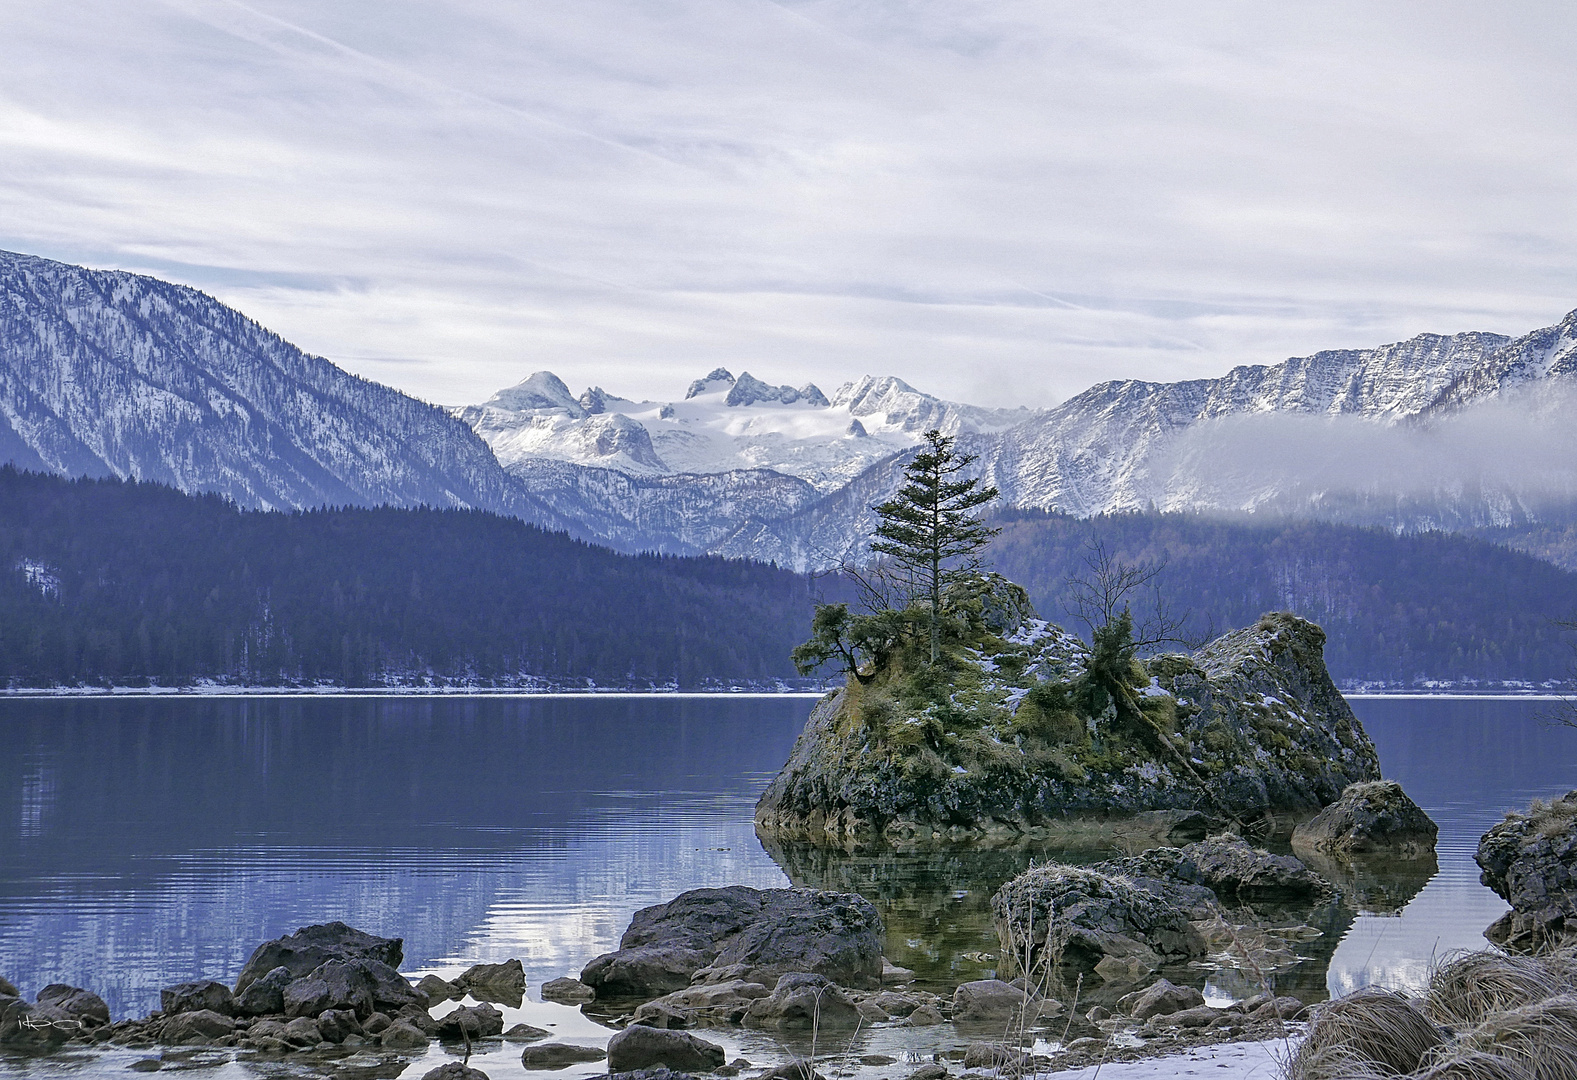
<point x="148" y="841"/>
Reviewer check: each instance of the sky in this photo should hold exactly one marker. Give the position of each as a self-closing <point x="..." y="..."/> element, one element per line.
<point x="1000" y="202"/>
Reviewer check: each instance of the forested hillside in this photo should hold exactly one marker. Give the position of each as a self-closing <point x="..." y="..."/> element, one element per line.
<point x="1398" y="609"/>
<point x="109" y="582"/>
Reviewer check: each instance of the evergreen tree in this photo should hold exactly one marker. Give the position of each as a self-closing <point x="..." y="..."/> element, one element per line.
<point x="928" y="528"/>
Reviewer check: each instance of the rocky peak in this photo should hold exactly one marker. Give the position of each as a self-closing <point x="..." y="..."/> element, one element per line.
<point x="710" y="382"/>
<point x="539" y="391"/>
<point x="749" y="390"/>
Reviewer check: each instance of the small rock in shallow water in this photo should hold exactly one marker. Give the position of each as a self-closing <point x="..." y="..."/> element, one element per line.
<point x="1376" y="816"/>
<point x="146" y="1065"/>
<point x="932" y="1071"/>
<point x="401" y="1035"/>
<point x="558" y="1055"/>
<point x="526" y="1033"/>
<point x="454" y="1070"/>
<point x="1161" y="998"/>
<point x="190" y="1027"/>
<point x="302" y="1031"/>
<point x="878" y="1059"/>
<point x="336" y="1024"/>
<point x="638" y="1047"/>
<point x="924" y="1016"/>
<point x="567" y="992"/>
<point x="438" y="989"/>
<point x="476" y="1021"/>
<point x="803" y="1001"/>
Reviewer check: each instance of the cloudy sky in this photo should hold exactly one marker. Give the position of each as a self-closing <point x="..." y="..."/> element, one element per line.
<point x="1001" y="201"/>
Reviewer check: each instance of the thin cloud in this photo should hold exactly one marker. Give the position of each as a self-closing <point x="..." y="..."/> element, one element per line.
<point x="1003" y="202"/>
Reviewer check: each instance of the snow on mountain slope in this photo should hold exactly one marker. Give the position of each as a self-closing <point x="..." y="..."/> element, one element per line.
<point x="107" y="373"/>
<point x="723" y="425"/>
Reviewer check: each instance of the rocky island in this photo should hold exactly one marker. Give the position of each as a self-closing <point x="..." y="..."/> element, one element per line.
<point x="1037" y="732"/>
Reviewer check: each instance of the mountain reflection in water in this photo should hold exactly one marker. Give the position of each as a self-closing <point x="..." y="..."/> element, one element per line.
<point x="147" y="841"/>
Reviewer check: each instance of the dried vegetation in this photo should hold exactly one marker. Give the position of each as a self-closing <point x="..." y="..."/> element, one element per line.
<point x="1486" y="1016"/>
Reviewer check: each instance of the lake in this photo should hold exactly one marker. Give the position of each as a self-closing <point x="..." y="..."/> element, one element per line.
<point x="146" y="841"/>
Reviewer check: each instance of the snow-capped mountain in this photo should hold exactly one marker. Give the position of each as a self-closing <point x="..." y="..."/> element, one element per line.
<point x="107" y="373"/>
<point x="113" y="373"/>
<point x="722" y="425"/>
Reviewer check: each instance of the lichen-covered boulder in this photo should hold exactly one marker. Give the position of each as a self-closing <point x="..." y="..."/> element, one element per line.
<point x="1081" y="916"/>
<point x="1376" y="816"/>
<point x="1530" y="861"/>
<point x="742" y="934"/>
<point x="1028" y="739"/>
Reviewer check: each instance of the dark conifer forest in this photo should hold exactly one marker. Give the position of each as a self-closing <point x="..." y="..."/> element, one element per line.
<point x="1401" y="609"/>
<point x="109" y="582"/>
<point x="104" y="582"/>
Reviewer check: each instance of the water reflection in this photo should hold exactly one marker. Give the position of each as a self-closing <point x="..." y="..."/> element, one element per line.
<point x="143" y="842"/>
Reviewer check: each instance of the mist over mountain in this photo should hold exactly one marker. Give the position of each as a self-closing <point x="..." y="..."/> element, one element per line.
<point x="116" y="374"/>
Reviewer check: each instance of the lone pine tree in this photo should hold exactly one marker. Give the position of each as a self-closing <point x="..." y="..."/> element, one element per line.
<point x="928" y="529"/>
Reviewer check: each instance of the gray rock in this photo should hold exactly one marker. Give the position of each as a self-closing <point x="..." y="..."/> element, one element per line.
<point x="643" y="971"/>
<point x="311" y="946"/>
<point x="336" y="1024"/>
<point x="933" y="1071"/>
<point x="716" y="1002"/>
<point x="334" y="984"/>
<point x="526" y="1033"/>
<point x="988" y="1000"/>
<point x="266" y="1029"/>
<point x="1159" y="999"/>
<point x="1280" y="1008"/>
<point x="190" y="1026"/>
<point x="375" y="1024"/>
<point x="8" y="988"/>
<point x="661" y="1072"/>
<point x="558" y="1055"/>
<point x="568" y="992"/>
<point x="264" y="995"/>
<point x="1376" y="816"/>
<point x="34" y="1027"/>
<point x="192" y="996"/>
<point x="1234" y="869"/>
<point x="1530" y="861"/>
<point x="896" y="1004"/>
<point x="991" y="1055"/>
<point x="794" y="1070"/>
<point x="737" y="933"/>
<point x="84" y="1006"/>
<point x="504" y="983"/>
<point x="402" y="1035"/>
<point x="872" y="1013"/>
<point x="1197" y="1017"/>
<point x="438" y="989"/>
<point x="638" y="1047"/>
<point x="302" y="1031"/>
<point x="658" y="1015"/>
<point x="417" y="1017"/>
<point x="924" y="1016"/>
<point x="802" y="1000"/>
<point x="477" y="1021"/>
<point x="1088" y="916"/>
<point x="454" y="1070"/>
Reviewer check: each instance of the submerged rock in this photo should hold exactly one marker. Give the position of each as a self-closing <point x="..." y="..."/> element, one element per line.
<point x="742" y="934"/>
<point x="1028" y="740"/>
<point x="1530" y="861"/>
<point x="1376" y="816"/>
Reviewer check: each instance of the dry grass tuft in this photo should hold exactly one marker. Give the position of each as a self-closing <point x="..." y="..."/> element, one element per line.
<point x="1466" y="988"/>
<point x="1459" y="1063"/>
<point x="1542" y="1037"/>
<point x="1374" y="1029"/>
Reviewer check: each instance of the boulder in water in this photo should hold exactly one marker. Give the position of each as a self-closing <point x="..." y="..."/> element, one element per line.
<point x="307" y="948"/>
<point x="802" y="1000"/>
<point x="638" y="1047"/>
<point x="742" y="934"/>
<point x="1375" y="816"/>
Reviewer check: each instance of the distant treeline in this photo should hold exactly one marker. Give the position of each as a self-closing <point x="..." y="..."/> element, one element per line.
<point x="1399" y="609"/>
<point x="103" y="581"/>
